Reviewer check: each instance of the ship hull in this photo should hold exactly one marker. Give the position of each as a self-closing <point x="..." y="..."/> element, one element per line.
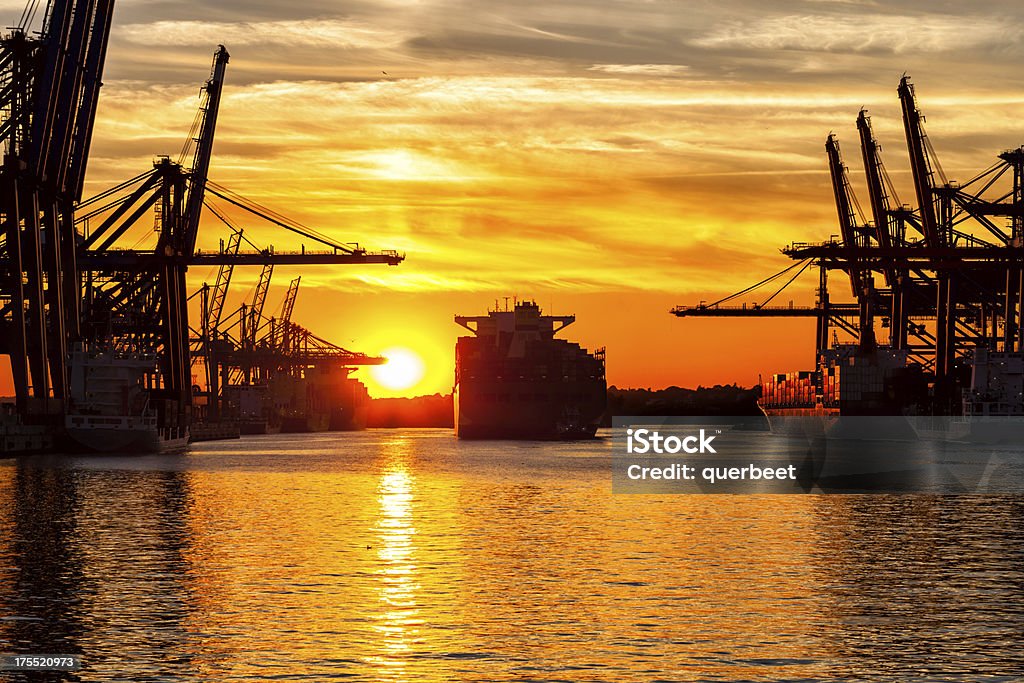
<point x="830" y="424"/>
<point x="528" y="421"/>
<point x="137" y="441"/>
<point x="253" y="426"/>
<point x="524" y="432"/>
<point x="304" y="424"/>
<point x="18" y="439"/>
<point x="324" y="401"/>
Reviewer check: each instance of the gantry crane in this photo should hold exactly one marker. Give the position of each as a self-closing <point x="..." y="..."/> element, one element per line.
<point x="953" y="273"/>
<point x="70" y="286"/>
<point x="269" y="363"/>
<point x="149" y="284"/>
<point x="50" y="88"/>
<point x="156" y="322"/>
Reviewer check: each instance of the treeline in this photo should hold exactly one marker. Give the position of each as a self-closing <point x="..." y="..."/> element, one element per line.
<point x="422" y="411"/>
<point x="719" y="400"/>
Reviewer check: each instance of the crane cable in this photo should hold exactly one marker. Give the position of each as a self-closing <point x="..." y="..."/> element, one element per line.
<point x="788" y="283"/>
<point x="760" y="284"/>
<point x="273" y="217"/>
<point x="28" y="15"/>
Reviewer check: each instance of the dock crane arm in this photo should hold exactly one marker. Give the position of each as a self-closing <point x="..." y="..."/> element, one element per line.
<point x="282" y="335"/>
<point x="920" y="162"/>
<point x="95" y="56"/>
<point x="289" y="300"/>
<point x="843" y="193"/>
<point x="854" y="235"/>
<point x="204" y="150"/>
<point x="881" y="211"/>
<point x="889" y="230"/>
<point x="259" y="298"/>
<point x="220" y="289"/>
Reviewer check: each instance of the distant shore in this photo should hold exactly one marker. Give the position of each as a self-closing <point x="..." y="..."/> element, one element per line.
<point x="436" y="410"/>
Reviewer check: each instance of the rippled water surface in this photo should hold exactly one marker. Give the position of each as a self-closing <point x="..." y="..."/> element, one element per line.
<point x="408" y="556"/>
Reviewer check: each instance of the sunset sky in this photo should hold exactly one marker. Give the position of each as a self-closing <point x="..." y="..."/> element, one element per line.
<point x="609" y="159"/>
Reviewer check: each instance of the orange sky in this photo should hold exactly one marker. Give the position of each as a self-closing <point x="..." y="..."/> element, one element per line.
<point x="609" y="159"/>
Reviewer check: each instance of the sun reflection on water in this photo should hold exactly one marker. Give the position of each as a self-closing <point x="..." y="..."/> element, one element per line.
<point x="398" y="622"/>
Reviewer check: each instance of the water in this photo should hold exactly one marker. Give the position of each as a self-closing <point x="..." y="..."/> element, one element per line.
<point x="409" y="556"/>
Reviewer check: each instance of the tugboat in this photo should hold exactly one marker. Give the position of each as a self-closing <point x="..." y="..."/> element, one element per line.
<point x="515" y="380"/>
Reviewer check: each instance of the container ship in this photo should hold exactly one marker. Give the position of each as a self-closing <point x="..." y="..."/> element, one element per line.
<point x="323" y="398"/>
<point x="515" y="380"/>
<point x="110" y="408"/>
<point x="848" y="381"/>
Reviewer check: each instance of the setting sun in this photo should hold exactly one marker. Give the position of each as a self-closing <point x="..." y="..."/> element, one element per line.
<point x="404" y="369"/>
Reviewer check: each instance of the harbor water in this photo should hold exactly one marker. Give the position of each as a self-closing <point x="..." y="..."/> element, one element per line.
<point x="406" y="555"/>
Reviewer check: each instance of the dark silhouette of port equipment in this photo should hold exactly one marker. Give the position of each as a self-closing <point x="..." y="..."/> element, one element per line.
<point x="48" y="97"/>
<point x="943" y="277"/>
<point x="66" y="280"/>
<point x="247" y="348"/>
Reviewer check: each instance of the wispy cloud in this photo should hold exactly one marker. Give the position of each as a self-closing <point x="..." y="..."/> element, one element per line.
<point x="325" y="33"/>
<point x="864" y="32"/>
<point x="641" y="69"/>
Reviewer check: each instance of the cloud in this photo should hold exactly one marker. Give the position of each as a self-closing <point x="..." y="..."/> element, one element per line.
<point x="439" y="166"/>
<point x="641" y="69"/>
<point x="323" y="33"/>
<point x="863" y="33"/>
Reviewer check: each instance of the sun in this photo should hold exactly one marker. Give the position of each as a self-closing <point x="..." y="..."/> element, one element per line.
<point x="403" y="370"/>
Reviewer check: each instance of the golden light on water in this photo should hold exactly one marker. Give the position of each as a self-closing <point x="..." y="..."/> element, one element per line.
<point x="410" y="558"/>
<point x="398" y="621"/>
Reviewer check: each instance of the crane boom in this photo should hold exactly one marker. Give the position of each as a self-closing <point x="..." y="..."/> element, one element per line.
<point x="95" y="57"/>
<point x="204" y="149"/>
<point x="259" y="298"/>
<point x="875" y="172"/>
<point x="887" y="231"/>
<point x="848" y="227"/>
<point x="920" y="162"/>
<point x="220" y="289"/>
<point x="860" y="278"/>
<point x="289" y="300"/>
<point x="283" y="334"/>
